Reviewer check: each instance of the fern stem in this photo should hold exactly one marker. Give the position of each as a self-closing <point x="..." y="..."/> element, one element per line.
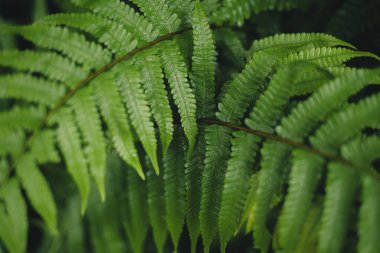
<point x="299" y="145"/>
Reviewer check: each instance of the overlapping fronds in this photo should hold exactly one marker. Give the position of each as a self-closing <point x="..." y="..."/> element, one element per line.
<point x="279" y="139"/>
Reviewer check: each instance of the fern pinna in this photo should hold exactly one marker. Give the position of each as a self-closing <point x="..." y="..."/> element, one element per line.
<point x="130" y="96"/>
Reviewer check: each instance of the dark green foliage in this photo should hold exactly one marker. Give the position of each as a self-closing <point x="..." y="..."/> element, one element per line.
<point x="125" y="123"/>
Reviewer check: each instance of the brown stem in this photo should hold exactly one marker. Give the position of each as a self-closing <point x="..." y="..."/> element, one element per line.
<point x="295" y="144"/>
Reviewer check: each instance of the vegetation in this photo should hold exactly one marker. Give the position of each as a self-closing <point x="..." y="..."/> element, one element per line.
<point x="180" y="125"/>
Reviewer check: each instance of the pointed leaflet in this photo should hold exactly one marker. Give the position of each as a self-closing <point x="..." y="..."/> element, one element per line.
<point x="154" y="87"/>
<point x="184" y="98"/>
<point x="129" y="82"/>
<point x="26" y="118"/>
<point x="174" y="181"/>
<point x="13" y="217"/>
<point x="42" y="147"/>
<point x="87" y="116"/>
<point x="113" y="112"/>
<point x="203" y="64"/>
<point x="38" y="190"/>
<point x="156" y="207"/>
<point x="69" y="143"/>
<point x="193" y="181"/>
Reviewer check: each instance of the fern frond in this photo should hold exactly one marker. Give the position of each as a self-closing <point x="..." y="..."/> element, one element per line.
<point x="88" y="119"/>
<point x="341" y="185"/>
<point x="69" y="143"/>
<point x="233" y="12"/>
<point x="113" y="35"/>
<point x="27" y="118"/>
<point x="156" y="206"/>
<point x="13" y="217"/>
<point x="217" y="153"/>
<point x="348" y="121"/>
<point x="42" y="147"/>
<point x="248" y="216"/>
<point x="137" y="222"/>
<point x="174" y="180"/>
<point x="113" y="112"/>
<point x="193" y="181"/>
<point x="29" y="88"/>
<point x="203" y="64"/>
<point x="235" y="191"/>
<point x="304" y="177"/>
<point x="183" y="9"/>
<point x="159" y="13"/>
<point x="184" y="98"/>
<point x="38" y="190"/>
<point x="153" y="83"/>
<point x="230" y="45"/>
<point x="11" y="141"/>
<point x="129" y="82"/>
<point x="123" y="14"/>
<point x="50" y="64"/>
<point x="325" y="100"/>
<point x="74" y="45"/>
<point x="298" y="41"/>
<point x="326" y="56"/>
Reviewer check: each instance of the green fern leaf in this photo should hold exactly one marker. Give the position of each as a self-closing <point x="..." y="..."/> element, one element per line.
<point x="50" y="64"/>
<point x="305" y="172"/>
<point x="233" y="12"/>
<point x="27" y="118"/>
<point x="69" y="142"/>
<point x="159" y="13"/>
<point x="231" y="46"/>
<point x="193" y="181"/>
<point x="217" y="153"/>
<point x="112" y="109"/>
<point x="88" y="119"/>
<point x="153" y="83"/>
<point x="203" y="64"/>
<point x="113" y="35"/>
<point x="174" y="180"/>
<point x="183" y="9"/>
<point x="38" y="191"/>
<point x="124" y="15"/>
<point x="42" y="147"/>
<point x="13" y="217"/>
<point x="129" y="82"/>
<point x="184" y="98"/>
<point x="156" y="206"/>
<point x="137" y="223"/>
<point x="11" y="141"/>
<point x="29" y="88"/>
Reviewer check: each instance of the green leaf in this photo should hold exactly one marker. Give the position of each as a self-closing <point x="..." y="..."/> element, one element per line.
<point x="38" y="191"/>
<point x="184" y="98"/>
<point x="129" y="82"/>
<point x="43" y="147"/>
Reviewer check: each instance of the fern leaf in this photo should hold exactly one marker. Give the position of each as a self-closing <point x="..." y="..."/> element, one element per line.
<point x="273" y="164"/>
<point x="341" y="185"/>
<point x="234" y="12"/>
<point x="29" y="88"/>
<point x="42" y="147"/>
<point x="183" y="9"/>
<point x="159" y="13"/>
<point x="193" y="181"/>
<point x="326" y="56"/>
<point x="4" y="171"/>
<point x="69" y="142"/>
<point x="38" y="191"/>
<point x="156" y="206"/>
<point x="235" y="192"/>
<point x="325" y="100"/>
<point x="231" y="46"/>
<point x="112" y="110"/>
<point x="27" y="118"/>
<point x="184" y="98"/>
<point x="248" y="216"/>
<point x="13" y="217"/>
<point x="348" y="121"/>
<point x="113" y="35"/>
<point x="203" y="64"/>
<point x="174" y="180"/>
<point x="90" y="54"/>
<point x="11" y="141"/>
<point x="304" y="176"/>
<point x="137" y="222"/>
<point x="88" y="119"/>
<point x="297" y="41"/>
<point x="153" y="83"/>
<point x="50" y="64"/>
<point x="129" y="82"/>
<point x="217" y="153"/>
<point x="120" y="12"/>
